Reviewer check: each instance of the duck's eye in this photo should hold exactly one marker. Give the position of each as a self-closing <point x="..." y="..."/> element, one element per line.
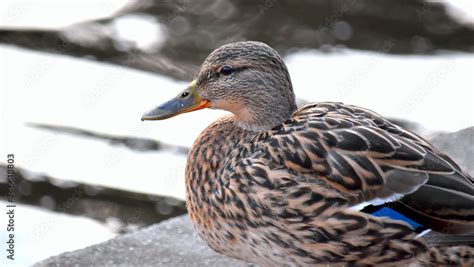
<point x="184" y="94"/>
<point x="226" y="70"/>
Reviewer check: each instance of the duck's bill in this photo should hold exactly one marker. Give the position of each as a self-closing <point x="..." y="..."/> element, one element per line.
<point x="188" y="102"/>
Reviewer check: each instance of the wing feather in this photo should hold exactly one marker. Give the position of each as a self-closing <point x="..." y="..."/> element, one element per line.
<point x="368" y="159"/>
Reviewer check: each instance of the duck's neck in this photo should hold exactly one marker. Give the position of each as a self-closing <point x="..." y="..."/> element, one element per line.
<point x="261" y="118"/>
<point x="262" y="124"/>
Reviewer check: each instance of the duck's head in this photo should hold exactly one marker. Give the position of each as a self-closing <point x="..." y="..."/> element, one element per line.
<point x="248" y="79"/>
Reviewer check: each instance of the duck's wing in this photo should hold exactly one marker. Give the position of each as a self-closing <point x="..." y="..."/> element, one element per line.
<point x="369" y="160"/>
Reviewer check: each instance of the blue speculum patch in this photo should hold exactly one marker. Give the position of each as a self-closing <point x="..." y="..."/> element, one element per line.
<point x="383" y="211"/>
<point x="388" y="212"/>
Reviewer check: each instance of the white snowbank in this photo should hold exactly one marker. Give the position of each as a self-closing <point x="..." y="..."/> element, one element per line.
<point x="47" y="14"/>
<point x="40" y="234"/>
<point x="435" y="91"/>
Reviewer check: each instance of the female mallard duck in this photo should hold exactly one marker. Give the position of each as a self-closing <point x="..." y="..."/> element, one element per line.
<point x="277" y="185"/>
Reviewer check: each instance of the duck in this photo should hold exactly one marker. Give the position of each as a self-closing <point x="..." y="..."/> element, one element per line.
<point x="325" y="183"/>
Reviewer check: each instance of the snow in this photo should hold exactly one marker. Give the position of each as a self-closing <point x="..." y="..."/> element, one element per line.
<point x="461" y="10"/>
<point x="54" y="14"/>
<point x="435" y="91"/>
<point x="102" y="98"/>
<point x="150" y="36"/>
<point x="40" y="234"/>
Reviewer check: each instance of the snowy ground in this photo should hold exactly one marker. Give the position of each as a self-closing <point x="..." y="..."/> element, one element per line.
<point x="54" y="14"/>
<point x="435" y="91"/>
<point x="40" y="234"/>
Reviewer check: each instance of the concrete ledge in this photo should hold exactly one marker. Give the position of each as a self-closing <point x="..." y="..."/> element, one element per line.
<point x="170" y="243"/>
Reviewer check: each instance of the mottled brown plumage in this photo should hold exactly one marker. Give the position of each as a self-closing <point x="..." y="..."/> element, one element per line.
<point x="283" y="187"/>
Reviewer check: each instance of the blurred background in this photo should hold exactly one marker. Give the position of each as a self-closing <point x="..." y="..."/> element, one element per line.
<point x="76" y="76"/>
